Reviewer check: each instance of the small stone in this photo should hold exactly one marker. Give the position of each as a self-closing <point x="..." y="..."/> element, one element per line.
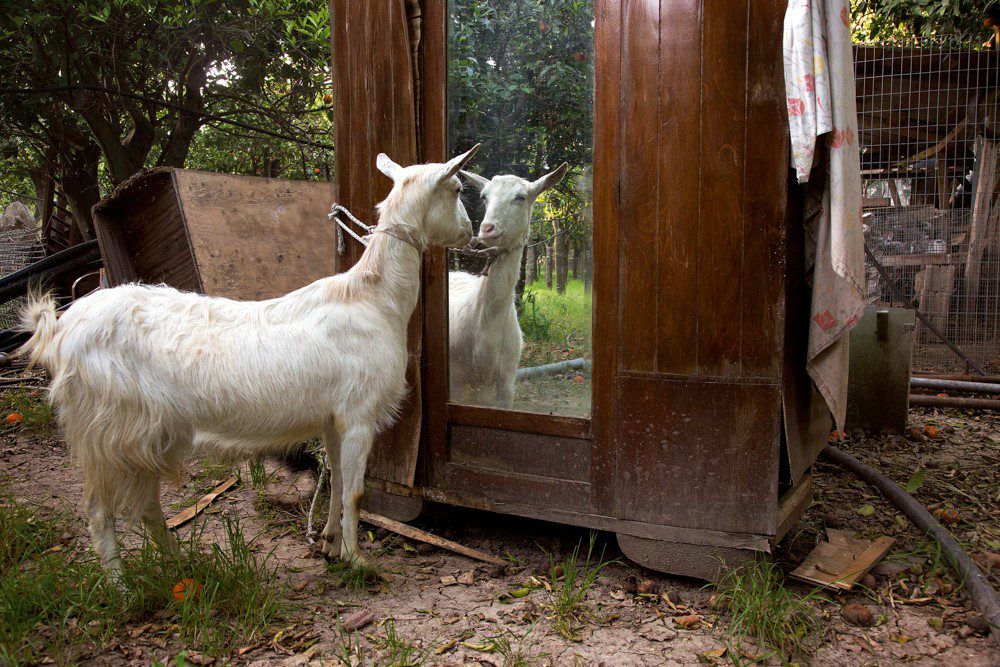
<point x="831" y="520"/>
<point x="859" y="614"/>
<point x="868" y="581"/>
<point x="631" y="584"/>
<point x="467" y="578"/>
<point x="424" y="549"/>
<point x="646" y="587"/>
<point x="916" y="435"/>
<point x="978" y="623"/>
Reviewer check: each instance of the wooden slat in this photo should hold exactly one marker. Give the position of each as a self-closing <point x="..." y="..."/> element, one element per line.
<point x="679" y="185"/>
<point x="765" y="199"/>
<point x="522" y="422"/>
<point x="723" y="142"/>
<point x="375" y="113"/>
<point x="639" y="193"/>
<point x="607" y="125"/>
<point x="506" y="453"/>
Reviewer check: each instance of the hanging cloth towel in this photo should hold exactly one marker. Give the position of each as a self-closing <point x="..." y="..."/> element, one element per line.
<point x="823" y="123"/>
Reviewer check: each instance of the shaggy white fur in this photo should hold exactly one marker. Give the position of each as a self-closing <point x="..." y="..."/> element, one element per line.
<point x="145" y="376"/>
<point x="485" y="337"/>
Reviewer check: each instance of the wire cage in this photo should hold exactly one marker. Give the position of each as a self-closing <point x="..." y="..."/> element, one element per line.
<point x="930" y="143"/>
<point x="20" y="245"/>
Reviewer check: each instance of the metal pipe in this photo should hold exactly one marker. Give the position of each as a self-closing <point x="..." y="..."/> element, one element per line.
<point x="548" y="369"/>
<point x="955" y="385"/>
<point x="980" y="590"/>
<point x="954" y="402"/>
<point x="960" y="376"/>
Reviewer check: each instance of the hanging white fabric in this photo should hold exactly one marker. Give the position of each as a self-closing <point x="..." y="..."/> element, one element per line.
<point x="823" y="124"/>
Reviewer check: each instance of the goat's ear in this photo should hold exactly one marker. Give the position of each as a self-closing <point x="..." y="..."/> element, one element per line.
<point x="455" y="165"/>
<point x="477" y="181"/>
<point x="387" y="166"/>
<point x="548" y="180"/>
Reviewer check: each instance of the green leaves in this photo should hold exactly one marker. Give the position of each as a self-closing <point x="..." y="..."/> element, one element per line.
<point x="916" y="481"/>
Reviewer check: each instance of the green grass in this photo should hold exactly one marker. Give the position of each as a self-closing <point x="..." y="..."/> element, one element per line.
<point x="356" y="577"/>
<point x="514" y="649"/>
<point x="571" y="579"/>
<point x="760" y="608"/>
<point x="57" y="601"/>
<point x="399" y="652"/>
<point x="39" y="417"/>
<point x="556" y="326"/>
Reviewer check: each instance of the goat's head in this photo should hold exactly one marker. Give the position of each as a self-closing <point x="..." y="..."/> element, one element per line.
<point x="425" y="198"/>
<point x="509" y="199"/>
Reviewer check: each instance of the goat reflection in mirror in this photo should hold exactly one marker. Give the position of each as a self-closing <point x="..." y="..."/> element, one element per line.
<point x="485" y="339"/>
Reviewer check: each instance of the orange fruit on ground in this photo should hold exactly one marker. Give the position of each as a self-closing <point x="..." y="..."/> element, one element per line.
<point x="186" y="588"/>
<point x="931" y="432"/>
<point x="577" y="378"/>
<point x="14" y="418"/>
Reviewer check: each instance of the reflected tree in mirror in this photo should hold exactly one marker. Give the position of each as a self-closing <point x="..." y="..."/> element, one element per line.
<point x="521" y="82"/>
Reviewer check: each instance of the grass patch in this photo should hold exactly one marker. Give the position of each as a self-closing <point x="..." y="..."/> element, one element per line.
<point x="399" y="652"/>
<point x="356" y="577"/>
<point x="513" y="649"/>
<point x="32" y="405"/>
<point x="57" y="601"/>
<point x="571" y="579"/>
<point x="762" y="609"/>
<point x="555" y="326"/>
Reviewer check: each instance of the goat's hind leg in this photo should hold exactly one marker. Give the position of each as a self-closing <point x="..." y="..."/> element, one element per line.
<point x="156" y="524"/>
<point x="332" y="535"/>
<point x="101" y="523"/>
<point x="355" y="447"/>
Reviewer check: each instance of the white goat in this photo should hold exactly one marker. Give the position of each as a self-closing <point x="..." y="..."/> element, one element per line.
<point x="144" y="376"/>
<point x="485" y="337"/>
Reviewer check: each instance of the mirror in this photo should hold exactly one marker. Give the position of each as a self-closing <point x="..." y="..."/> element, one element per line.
<point x="521" y="83"/>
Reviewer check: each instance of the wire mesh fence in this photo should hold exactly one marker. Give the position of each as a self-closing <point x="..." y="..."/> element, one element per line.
<point x="930" y="140"/>
<point x="20" y="246"/>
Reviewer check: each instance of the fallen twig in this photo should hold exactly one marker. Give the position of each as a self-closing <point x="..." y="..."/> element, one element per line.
<point x="200" y="506"/>
<point x="423" y="536"/>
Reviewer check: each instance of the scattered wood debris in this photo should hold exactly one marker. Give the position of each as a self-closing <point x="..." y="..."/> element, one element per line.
<point x="842" y="561"/>
<point x="191" y="512"/>
<point x="423" y="536"/>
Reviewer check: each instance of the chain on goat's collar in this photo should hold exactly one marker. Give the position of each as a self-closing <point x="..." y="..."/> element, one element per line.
<point x="336" y="213"/>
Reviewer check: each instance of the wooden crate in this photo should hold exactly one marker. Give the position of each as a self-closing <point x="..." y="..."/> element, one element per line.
<point x="240" y="237"/>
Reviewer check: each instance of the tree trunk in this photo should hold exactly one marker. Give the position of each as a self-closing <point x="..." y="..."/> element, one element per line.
<point x="519" y="286"/>
<point x="532" y="268"/>
<point x="588" y="269"/>
<point x="79" y="182"/>
<point x="562" y="260"/>
<point x="575" y="265"/>
<point x="549" y="254"/>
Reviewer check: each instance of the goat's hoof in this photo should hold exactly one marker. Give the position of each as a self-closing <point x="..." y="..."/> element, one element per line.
<point x="330" y="549"/>
<point x="354" y="560"/>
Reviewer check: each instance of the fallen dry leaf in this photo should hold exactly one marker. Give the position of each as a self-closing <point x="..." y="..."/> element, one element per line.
<point x="449" y="580"/>
<point x="715" y="653"/>
<point x="357" y="620"/>
<point x="688" y="622"/>
<point x="445" y="647"/>
<point x="467" y="578"/>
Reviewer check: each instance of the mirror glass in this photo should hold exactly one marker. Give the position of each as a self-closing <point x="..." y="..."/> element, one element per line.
<point x="521" y="83"/>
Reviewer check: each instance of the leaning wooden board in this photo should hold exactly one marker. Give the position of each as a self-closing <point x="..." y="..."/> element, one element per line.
<point x="240" y="237"/>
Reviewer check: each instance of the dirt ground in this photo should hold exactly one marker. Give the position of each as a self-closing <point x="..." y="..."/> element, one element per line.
<point x="922" y="618"/>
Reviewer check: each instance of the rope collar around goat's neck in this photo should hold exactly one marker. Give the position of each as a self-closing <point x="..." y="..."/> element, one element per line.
<point x="402" y="236"/>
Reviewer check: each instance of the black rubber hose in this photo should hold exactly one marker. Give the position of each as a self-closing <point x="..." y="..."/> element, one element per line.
<point x="980" y="590"/>
<point x="16" y="284"/>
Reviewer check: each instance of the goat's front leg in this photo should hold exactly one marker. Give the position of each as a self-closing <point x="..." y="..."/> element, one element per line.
<point x="505" y="386"/>
<point x="102" y="532"/>
<point x="156" y="524"/>
<point x="332" y="537"/>
<point x="354" y="449"/>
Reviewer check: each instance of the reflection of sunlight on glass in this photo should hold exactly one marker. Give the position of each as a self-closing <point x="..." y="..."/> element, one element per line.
<point x="520" y="80"/>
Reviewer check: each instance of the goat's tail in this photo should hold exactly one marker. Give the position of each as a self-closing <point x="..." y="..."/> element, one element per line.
<point x="39" y="318"/>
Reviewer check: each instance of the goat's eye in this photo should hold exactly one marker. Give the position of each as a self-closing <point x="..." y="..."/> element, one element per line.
<point x="520" y="198"/>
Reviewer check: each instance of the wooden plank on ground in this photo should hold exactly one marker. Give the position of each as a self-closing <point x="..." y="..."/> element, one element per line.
<point x="842" y="561"/>
<point x="423" y="536"/>
<point x="200" y="506"/>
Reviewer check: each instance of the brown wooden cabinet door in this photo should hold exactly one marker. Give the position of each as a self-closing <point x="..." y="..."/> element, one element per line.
<point x="692" y="189"/>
